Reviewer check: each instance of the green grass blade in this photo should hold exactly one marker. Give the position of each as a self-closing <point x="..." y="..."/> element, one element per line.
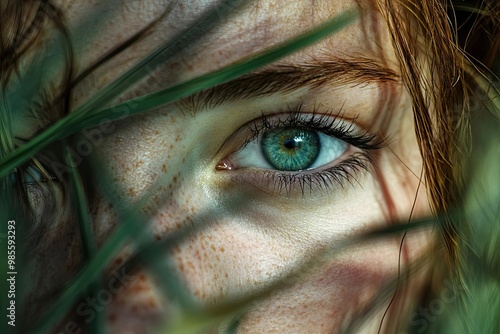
<point x="155" y="100"/>
<point x="89" y="245"/>
<point x="198" y="319"/>
<point x="89" y="274"/>
<point x="199" y="29"/>
<point x="131" y="228"/>
<point x="75" y="122"/>
<point x="97" y="326"/>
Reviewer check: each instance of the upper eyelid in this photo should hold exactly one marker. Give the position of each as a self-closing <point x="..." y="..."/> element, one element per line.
<point x="362" y="140"/>
<point x="329" y="122"/>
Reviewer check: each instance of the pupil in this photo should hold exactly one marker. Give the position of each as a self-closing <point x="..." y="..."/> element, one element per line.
<point x="290" y="143"/>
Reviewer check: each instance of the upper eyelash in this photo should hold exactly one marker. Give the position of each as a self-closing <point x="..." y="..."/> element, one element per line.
<point x="326" y="122"/>
<point x="45" y="173"/>
<point x="41" y="163"/>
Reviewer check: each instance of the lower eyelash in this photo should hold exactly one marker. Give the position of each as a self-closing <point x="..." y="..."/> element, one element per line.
<point x="347" y="170"/>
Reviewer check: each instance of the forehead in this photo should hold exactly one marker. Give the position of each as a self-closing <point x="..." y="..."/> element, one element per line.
<point x="98" y="26"/>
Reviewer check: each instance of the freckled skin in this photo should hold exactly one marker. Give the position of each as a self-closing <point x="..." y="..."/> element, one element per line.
<point x="252" y="236"/>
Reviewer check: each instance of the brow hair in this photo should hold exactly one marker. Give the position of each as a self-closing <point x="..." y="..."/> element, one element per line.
<point x="285" y="78"/>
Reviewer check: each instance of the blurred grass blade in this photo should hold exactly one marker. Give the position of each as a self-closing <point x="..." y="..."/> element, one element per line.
<point x="195" y="320"/>
<point x="62" y="128"/>
<point x="97" y="325"/>
<point x="89" y="245"/>
<point x="158" y="99"/>
<point x="77" y="121"/>
<point x="89" y="274"/>
<point x="199" y="29"/>
<point x="130" y="227"/>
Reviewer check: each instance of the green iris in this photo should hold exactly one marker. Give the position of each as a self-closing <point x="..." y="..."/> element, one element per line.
<point x="290" y="149"/>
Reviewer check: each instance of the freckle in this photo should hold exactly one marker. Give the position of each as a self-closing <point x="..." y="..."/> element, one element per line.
<point x="158" y="237"/>
<point x="191" y="265"/>
<point x="222" y="249"/>
<point x="164" y="168"/>
<point x="142" y="277"/>
<point x="152" y="303"/>
<point x="175" y="178"/>
<point x="213" y="247"/>
<point x="226" y="275"/>
<point x="171" y="146"/>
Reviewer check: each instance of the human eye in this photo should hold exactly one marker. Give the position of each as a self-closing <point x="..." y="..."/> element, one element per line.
<point x="34" y="174"/>
<point x="298" y="150"/>
<point x="40" y="191"/>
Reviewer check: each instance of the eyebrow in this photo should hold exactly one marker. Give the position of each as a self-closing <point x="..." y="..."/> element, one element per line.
<point x="285" y="78"/>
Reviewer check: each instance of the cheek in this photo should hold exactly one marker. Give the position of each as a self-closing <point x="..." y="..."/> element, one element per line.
<point x="245" y="240"/>
<point x="327" y="299"/>
<point x="138" y="305"/>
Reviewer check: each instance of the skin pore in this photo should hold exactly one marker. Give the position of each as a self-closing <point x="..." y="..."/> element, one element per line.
<point x="184" y="157"/>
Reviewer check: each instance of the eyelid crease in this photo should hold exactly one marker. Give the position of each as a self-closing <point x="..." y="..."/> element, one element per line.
<point x="285" y="78"/>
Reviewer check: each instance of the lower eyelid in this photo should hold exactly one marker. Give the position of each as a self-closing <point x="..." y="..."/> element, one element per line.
<point x="298" y="184"/>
